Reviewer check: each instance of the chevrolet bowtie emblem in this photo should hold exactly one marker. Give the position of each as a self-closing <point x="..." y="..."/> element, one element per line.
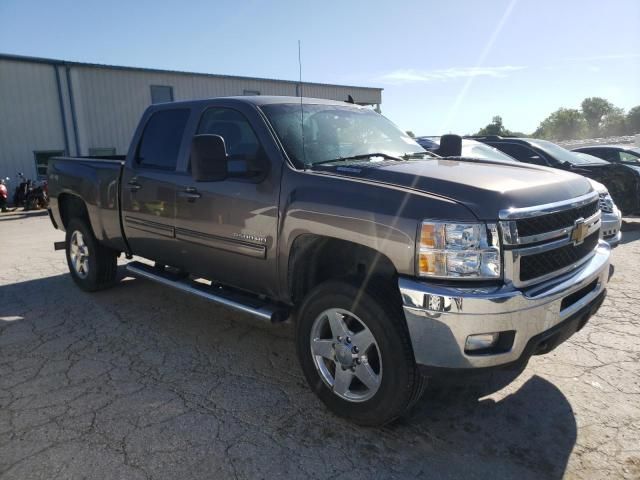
<point x="579" y="232"/>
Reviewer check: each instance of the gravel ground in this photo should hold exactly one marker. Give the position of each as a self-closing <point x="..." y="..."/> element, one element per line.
<point x="143" y="382"/>
<point x="629" y="140"/>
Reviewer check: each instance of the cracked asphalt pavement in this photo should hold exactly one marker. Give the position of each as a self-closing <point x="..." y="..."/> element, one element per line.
<point x="143" y="382"/>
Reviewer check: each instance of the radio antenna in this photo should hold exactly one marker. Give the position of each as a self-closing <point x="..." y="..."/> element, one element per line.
<point x="304" y="153"/>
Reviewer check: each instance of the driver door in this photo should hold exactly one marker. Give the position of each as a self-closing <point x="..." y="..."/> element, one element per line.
<point x="226" y="230"/>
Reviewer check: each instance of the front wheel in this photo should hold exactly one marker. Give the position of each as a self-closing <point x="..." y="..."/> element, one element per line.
<point x="355" y="352"/>
<point x="92" y="266"/>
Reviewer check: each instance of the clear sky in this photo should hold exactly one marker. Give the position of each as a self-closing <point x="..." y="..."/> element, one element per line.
<point x="444" y="65"/>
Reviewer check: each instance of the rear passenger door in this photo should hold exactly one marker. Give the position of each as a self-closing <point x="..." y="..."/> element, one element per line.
<point x="148" y="186"/>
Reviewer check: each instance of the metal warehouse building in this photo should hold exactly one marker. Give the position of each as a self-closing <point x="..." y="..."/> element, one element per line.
<point x="53" y="107"/>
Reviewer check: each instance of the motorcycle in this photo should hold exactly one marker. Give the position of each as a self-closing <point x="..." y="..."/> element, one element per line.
<point x="39" y="196"/>
<point x="21" y="191"/>
<point x="30" y="195"/>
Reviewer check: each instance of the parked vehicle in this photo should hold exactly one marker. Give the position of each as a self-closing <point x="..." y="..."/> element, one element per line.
<point x="36" y="196"/>
<point x="30" y="195"/>
<point x="622" y="182"/>
<point x="469" y="148"/>
<point x="610" y="231"/>
<point x="396" y="266"/>
<point x="21" y="191"/>
<point x="624" y="154"/>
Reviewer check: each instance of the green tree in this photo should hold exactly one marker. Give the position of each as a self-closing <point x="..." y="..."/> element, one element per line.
<point x="633" y="120"/>
<point x="614" y="123"/>
<point x="494" y="128"/>
<point x="563" y="124"/>
<point x="594" y="109"/>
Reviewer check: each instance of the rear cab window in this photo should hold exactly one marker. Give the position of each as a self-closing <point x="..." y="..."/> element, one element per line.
<point x="161" y="139"/>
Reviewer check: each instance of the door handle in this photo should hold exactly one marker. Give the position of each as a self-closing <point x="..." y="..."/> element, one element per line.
<point x="190" y="193"/>
<point x="134" y="186"/>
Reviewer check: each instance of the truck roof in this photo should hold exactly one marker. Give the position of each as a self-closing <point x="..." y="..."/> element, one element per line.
<point x="257" y="100"/>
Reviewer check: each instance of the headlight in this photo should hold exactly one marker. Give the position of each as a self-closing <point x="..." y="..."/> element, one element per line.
<point x="459" y="250"/>
<point x="606" y="202"/>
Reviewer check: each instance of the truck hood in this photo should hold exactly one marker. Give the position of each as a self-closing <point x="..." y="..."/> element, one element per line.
<point x="484" y="186"/>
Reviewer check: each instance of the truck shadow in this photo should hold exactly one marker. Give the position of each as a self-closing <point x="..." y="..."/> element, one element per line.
<point x="229" y="368"/>
<point x="532" y="427"/>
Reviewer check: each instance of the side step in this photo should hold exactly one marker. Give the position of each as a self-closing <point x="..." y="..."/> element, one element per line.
<point x="233" y="299"/>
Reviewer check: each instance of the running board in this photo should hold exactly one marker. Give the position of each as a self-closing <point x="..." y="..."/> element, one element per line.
<point x="236" y="300"/>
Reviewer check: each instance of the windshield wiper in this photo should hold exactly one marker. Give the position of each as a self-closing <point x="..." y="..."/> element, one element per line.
<point x="359" y="157"/>
<point x="409" y="155"/>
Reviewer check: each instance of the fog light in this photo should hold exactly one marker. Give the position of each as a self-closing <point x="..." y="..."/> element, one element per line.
<point x="481" y="341"/>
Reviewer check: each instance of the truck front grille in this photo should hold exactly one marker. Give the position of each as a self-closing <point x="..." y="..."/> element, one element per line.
<point x="554" y="221"/>
<point x="543" y="242"/>
<point x="538" y="265"/>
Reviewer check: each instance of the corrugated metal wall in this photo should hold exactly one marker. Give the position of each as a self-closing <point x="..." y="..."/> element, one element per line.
<point x="110" y="102"/>
<point x="30" y="118"/>
<point x="107" y="103"/>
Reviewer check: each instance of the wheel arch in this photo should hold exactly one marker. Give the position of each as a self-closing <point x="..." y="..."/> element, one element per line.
<point x="314" y="259"/>
<point x="73" y="206"/>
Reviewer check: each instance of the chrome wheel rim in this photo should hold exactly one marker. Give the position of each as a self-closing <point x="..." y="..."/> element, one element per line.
<point x="346" y="355"/>
<point x="79" y="254"/>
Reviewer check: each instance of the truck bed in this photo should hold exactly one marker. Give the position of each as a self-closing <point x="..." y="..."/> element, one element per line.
<point x="96" y="181"/>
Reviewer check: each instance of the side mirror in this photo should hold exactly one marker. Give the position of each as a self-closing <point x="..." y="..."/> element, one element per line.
<point x="208" y="158"/>
<point x="450" y="145"/>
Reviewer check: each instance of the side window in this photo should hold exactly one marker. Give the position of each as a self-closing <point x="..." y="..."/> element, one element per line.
<point x="239" y="138"/>
<point x="520" y="152"/>
<point x="161" y="93"/>
<point x="160" y="143"/>
<point x="605" y="154"/>
<point x="628" y="157"/>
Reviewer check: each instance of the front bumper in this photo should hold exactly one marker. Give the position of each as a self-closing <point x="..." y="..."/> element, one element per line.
<point x="610" y="229"/>
<point x="440" y="318"/>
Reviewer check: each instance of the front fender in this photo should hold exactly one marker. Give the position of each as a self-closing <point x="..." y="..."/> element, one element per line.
<point x="382" y="217"/>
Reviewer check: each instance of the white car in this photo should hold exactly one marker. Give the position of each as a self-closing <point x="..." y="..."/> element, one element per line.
<point x="611" y="216"/>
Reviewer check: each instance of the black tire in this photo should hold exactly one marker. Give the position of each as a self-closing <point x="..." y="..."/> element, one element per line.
<point x="102" y="261"/>
<point x="401" y="384"/>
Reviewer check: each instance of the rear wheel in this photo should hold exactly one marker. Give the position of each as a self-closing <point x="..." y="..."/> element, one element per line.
<point x="92" y="266"/>
<point x="356" y="354"/>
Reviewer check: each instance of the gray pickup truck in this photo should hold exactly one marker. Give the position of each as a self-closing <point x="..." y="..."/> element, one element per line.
<point x="397" y="266"/>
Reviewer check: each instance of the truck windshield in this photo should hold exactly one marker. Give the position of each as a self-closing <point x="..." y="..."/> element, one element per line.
<point x="336" y="132"/>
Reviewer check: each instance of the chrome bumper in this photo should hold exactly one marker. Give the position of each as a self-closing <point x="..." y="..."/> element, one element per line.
<point x="610" y="229"/>
<point x="441" y="318"/>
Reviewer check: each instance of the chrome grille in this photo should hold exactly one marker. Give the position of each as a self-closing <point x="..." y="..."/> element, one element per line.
<point x="554" y="221"/>
<point x="604" y="205"/>
<point x="543" y="242"/>
<point x="540" y="264"/>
